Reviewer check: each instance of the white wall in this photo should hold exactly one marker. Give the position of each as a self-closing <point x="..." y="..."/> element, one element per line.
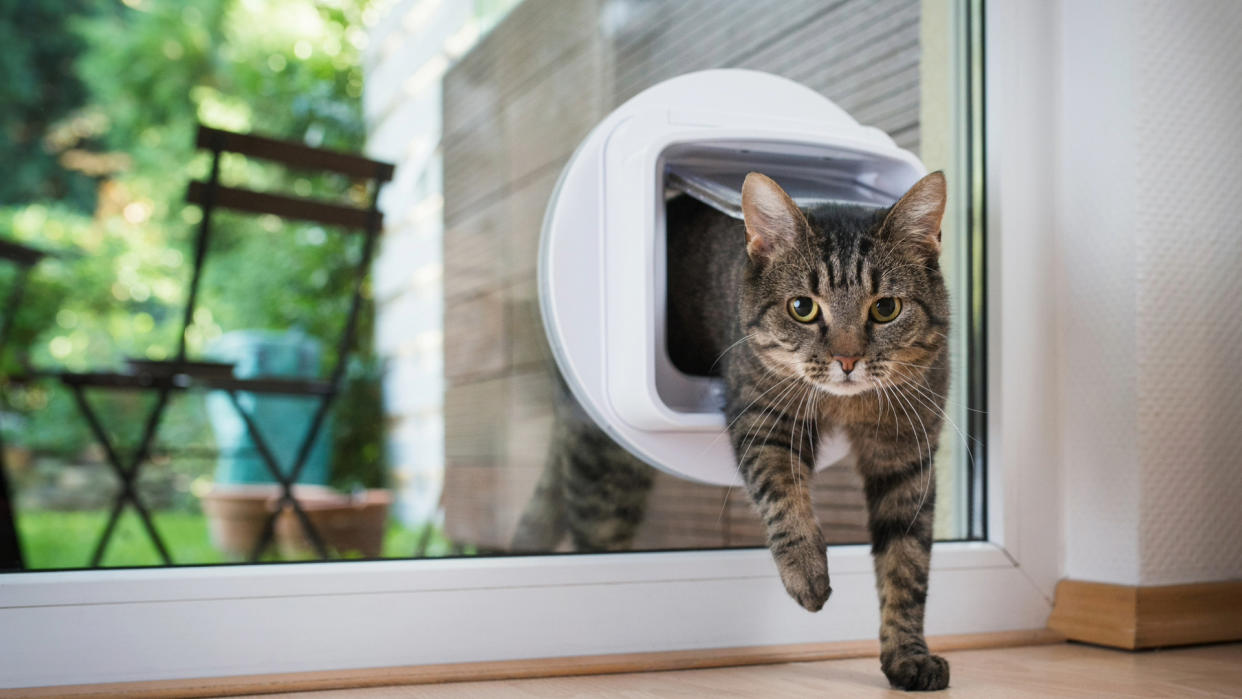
<point x="402" y="107"/>
<point x="1188" y="119"/>
<point x="1149" y="260"/>
<point x="408" y="50"/>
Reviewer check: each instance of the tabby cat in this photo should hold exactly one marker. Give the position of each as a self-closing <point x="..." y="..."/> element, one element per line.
<point x="829" y="320"/>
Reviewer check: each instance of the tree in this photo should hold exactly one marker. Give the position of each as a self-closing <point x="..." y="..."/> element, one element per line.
<point x="39" y="88"/>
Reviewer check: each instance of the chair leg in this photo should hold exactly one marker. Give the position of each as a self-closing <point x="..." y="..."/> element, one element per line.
<point x="286" y="488"/>
<point x="10" y="545"/>
<point x="127" y="477"/>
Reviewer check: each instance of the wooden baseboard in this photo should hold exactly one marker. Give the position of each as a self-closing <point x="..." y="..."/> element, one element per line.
<point x="1134" y="617"/>
<point x="521" y="669"/>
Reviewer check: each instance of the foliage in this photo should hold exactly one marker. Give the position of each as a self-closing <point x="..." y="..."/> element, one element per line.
<point x="39" y="88"/>
<point x="144" y="74"/>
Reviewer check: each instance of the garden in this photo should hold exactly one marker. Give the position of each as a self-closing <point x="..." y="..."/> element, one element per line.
<point x="99" y="144"/>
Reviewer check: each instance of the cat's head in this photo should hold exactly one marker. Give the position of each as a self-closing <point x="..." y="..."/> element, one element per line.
<point x="845" y="297"/>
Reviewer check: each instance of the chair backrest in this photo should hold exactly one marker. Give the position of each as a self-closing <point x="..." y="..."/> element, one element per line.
<point x="294" y="155"/>
<point x="210" y="194"/>
<point x="20" y="254"/>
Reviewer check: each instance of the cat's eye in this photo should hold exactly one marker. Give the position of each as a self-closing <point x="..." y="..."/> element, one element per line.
<point x="803" y="309"/>
<point x="886" y="309"/>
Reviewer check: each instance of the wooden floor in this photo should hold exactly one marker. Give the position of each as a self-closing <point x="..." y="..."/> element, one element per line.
<point x="1061" y="670"/>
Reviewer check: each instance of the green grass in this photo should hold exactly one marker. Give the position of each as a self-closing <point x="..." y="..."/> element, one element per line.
<point x="55" y="540"/>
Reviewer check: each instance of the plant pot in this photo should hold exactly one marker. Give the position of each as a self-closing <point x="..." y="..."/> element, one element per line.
<point x="350" y="525"/>
<point x="236" y="513"/>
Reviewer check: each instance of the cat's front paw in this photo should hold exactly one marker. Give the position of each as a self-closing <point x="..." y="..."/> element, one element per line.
<point x="918" y="673"/>
<point x="804" y="570"/>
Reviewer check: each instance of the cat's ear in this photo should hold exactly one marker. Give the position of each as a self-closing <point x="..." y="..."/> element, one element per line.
<point x="773" y="220"/>
<point x="916" y="218"/>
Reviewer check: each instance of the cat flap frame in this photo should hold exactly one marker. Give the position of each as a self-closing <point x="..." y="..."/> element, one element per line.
<point x="601" y="261"/>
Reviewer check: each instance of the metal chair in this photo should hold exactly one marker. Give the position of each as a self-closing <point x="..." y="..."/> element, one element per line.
<point x="180" y="374"/>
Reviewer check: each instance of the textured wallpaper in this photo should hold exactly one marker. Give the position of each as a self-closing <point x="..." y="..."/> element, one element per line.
<point x="1188" y="120"/>
<point x="1150" y="290"/>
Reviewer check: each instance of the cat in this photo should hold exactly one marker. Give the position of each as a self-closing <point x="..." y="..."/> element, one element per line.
<point x="828" y="320"/>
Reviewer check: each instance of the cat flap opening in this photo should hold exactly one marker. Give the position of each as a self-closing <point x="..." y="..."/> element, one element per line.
<point x="602" y="270"/>
<point x="713" y="174"/>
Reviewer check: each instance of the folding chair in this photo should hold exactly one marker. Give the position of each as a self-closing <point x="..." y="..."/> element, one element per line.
<point x="181" y="374"/>
<point x="25" y="258"/>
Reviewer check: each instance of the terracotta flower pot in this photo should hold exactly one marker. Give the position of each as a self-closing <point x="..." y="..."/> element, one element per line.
<point x="235" y="513"/>
<point x="348" y="524"/>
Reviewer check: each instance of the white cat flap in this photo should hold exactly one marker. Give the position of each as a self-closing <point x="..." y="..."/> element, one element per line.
<point x="601" y="261"/>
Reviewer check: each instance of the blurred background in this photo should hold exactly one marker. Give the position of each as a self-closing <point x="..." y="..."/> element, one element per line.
<point x="446" y="407"/>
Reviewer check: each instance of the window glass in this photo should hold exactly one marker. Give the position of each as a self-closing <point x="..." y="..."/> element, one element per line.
<point x="446" y="428"/>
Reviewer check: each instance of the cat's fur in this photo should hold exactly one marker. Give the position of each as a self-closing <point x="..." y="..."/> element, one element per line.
<point x="730" y="285"/>
<point x="590" y="487"/>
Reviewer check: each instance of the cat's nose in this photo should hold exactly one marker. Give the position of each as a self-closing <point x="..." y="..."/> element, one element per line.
<point x="847" y="363"/>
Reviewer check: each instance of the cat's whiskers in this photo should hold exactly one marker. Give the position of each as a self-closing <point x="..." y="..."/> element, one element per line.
<point x="930" y="403"/>
<point x="724" y="503"/>
<point x="944" y="414"/>
<point x="902" y="403"/>
<point x="888" y="406"/>
<point x="752" y="432"/>
<point x="905" y="400"/>
<point x="743" y="410"/>
<point x="730" y="347"/>
<point x="792" y="435"/>
<point x="884" y="389"/>
<point x="801" y="427"/>
<point x="916" y="366"/>
<point x="763" y="414"/>
<point x="812" y="428"/>
<point x="922" y="382"/>
<point x="879" y="405"/>
<point x="935" y="397"/>
<point x="778" y="403"/>
<point x="801" y="397"/>
<point x="930" y="462"/>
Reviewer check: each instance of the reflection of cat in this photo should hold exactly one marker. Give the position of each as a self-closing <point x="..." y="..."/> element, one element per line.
<point x="832" y="319"/>
<point x="590" y="487"/>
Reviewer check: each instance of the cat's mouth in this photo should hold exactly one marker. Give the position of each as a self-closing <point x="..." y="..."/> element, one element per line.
<point x="846" y="387"/>
<point x="838" y="382"/>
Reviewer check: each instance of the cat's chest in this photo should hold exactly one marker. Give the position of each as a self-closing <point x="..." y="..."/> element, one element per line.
<point x="834" y="445"/>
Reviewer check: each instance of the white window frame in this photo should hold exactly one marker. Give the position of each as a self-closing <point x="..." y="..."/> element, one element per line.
<point x="150" y="624"/>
